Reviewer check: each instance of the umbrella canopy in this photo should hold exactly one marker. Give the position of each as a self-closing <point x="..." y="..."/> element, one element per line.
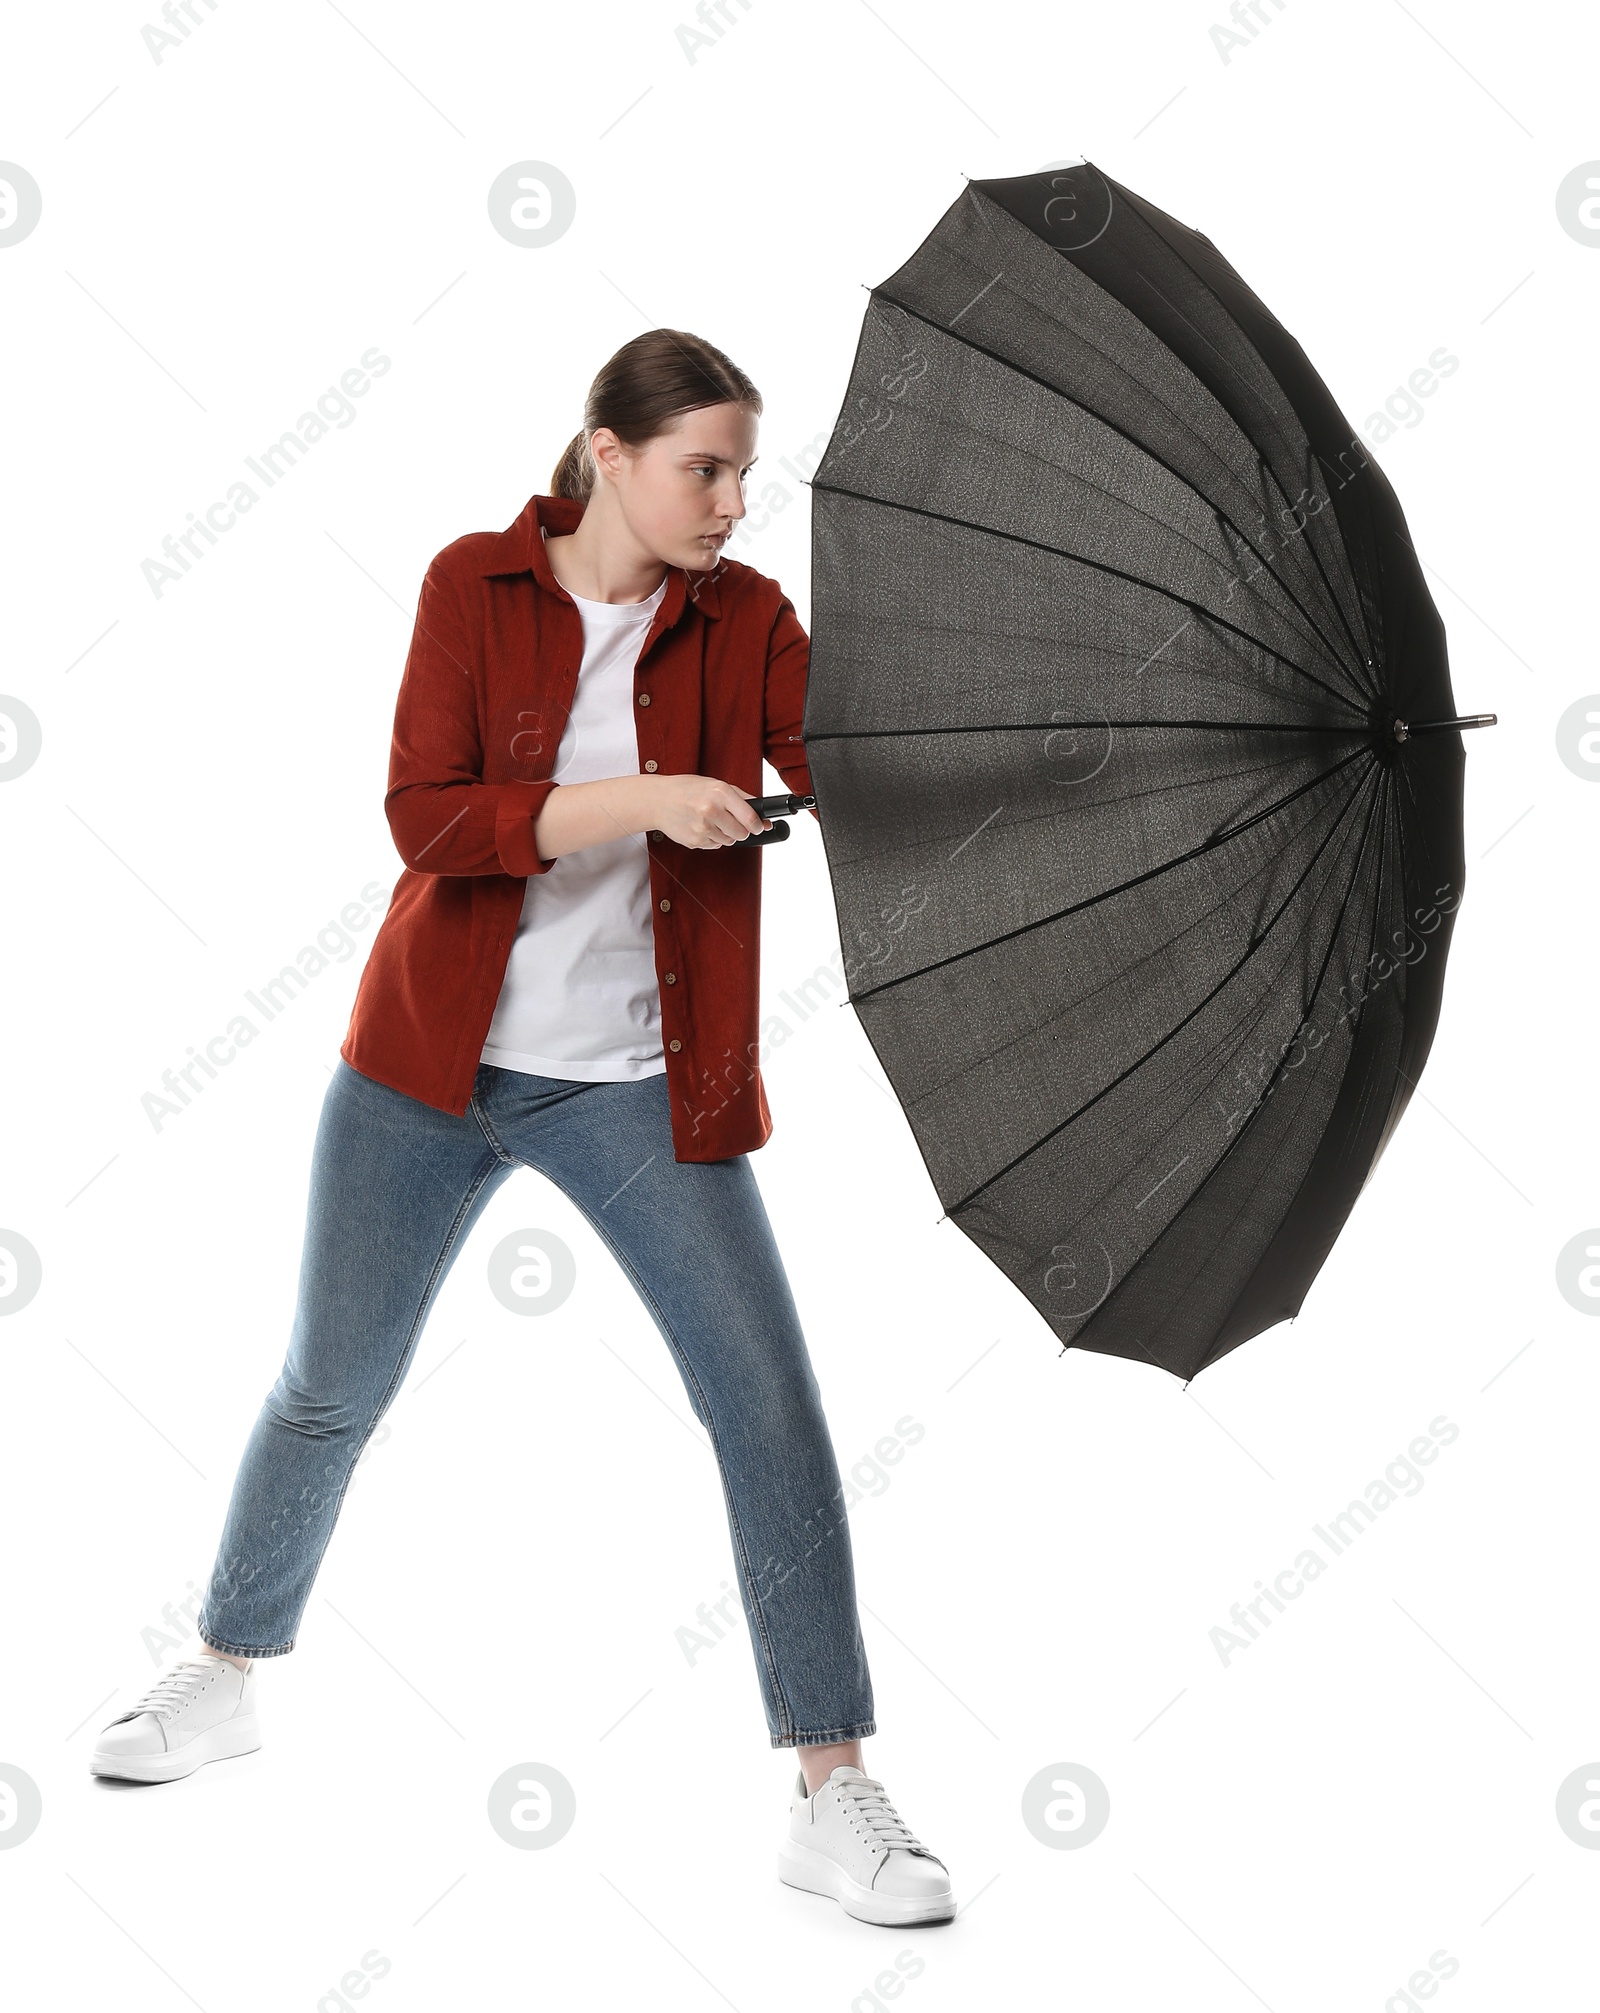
<point x="1124" y="722"/>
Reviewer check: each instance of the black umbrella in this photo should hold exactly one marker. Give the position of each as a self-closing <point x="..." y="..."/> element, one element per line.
<point x="1132" y="737"/>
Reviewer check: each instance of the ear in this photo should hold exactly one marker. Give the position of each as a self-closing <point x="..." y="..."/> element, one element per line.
<point x="606" y="451"/>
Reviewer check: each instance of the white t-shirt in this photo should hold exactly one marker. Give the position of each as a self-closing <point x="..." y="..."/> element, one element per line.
<point x="580" y="999"/>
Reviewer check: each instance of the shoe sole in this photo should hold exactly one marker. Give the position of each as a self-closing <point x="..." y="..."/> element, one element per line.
<point x="218" y="1743"/>
<point x="802" y="1866"/>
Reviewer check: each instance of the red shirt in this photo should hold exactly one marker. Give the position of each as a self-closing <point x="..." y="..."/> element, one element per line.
<point x="487" y="686"/>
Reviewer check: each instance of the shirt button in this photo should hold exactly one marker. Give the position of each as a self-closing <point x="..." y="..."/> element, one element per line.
<point x="644" y="698"/>
<point x="674" y="1046"/>
<point x="649" y="768"/>
<point x="665" y="903"/>
<point x="671" y="978"/>
<point x="658" y="835"/>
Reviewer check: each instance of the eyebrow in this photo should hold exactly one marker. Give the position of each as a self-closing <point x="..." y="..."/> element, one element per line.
<point x="726" y="459"/>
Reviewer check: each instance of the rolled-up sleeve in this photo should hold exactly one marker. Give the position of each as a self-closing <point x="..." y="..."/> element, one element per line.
<point x="788" y="659"/>
<point x="445" y="819"/>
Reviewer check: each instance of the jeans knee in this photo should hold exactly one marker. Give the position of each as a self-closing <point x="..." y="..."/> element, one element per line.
<point x="317" y="1415"/>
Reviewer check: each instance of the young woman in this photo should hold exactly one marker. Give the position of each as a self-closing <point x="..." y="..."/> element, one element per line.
<point x="566" y="979"/>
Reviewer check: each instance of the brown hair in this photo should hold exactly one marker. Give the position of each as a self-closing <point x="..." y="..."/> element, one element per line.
<point x="648" y="382"/>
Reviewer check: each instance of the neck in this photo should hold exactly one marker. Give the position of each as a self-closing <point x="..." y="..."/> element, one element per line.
<point x="602" y="560"/>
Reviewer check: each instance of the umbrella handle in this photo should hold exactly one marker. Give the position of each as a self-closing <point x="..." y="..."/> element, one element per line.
<point x="788" y="801"/>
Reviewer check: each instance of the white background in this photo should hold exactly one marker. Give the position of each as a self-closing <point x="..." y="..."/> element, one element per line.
<point x="1374" y="1781"/>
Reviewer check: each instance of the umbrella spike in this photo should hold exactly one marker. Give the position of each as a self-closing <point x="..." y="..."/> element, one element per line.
<point x="1404" y="729"/>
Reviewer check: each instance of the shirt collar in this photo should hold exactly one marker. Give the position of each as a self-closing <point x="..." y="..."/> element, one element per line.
<point x="520" y="549"/>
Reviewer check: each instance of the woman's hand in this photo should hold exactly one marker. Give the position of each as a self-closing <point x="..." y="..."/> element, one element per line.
<point x="695" y="810"/>
<point x="702" y="811"/>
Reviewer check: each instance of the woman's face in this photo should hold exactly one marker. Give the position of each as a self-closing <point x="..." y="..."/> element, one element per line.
<point x="683" y="492"/>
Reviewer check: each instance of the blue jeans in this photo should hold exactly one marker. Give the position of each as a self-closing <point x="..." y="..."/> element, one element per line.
<point x="396" y="1186"/>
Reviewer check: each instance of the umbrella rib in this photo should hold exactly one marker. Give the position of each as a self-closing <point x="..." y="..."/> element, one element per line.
<point x="1100" y="566"/>
<point x="1051" y="726"/>
<point x="1222" y="1157"/>
<point x="1198" y="918"/>
<point x="1227" y="368"/>
<point x="1051" y="815"/>
<point x="1225" y="365"/>
<point x="1122" y="433"/>
<point x="1377" y="907"/>
<point x="1227" y="978"/>
<point x="1383" y="798"/>
<point x="1165" y="866"/>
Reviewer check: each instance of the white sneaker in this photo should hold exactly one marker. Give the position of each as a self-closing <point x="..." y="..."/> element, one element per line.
<point x="203" y="1709"/>
<point x="848" y="1841"/>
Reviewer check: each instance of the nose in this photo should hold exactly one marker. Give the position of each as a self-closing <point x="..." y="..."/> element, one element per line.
<point x="730" y="499"/>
